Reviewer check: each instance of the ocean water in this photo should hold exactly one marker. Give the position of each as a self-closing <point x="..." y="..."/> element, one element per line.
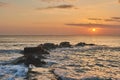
<point x="78" y="63"/>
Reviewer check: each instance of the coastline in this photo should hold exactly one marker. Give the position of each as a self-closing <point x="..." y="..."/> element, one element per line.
<point x="86" y="61"/>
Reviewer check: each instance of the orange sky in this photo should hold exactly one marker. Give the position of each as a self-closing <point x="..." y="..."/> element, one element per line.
<point x="59" y="17"/>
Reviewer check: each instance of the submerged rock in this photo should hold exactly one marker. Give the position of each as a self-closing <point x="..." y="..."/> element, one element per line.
<point x="96" y="78"/>
<point x="61" y="75"/>
<point x="65" y="44"/>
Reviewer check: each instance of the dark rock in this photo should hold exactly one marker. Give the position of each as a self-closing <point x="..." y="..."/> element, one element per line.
<point x="65" y="44"/>
<point x="65" y="78"/>
<point x="90" y="44"/>
<point x="32" y="55"/>
<point x="34" y="51"/>
<point x="81" y="44"/>
<point x="19" y="60"/>
<point x="93" y="78"/>
<point x="48" y="46"/>
<point x="84" y="44"/>
<point x="96" y="78"/>
<point x="35" y="61"/>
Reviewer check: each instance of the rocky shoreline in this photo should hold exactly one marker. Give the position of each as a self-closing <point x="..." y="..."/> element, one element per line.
<point x="35" y="57"/>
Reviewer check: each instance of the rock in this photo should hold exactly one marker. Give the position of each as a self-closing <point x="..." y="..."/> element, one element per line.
<point x="96" y="78"/>
<point x="11" y="78"/>
<point x="81" y="44"/>
<point x="65" y="44"/>
<point x="48" y="46"/>
<point x="62" y="74"/>
<point x="19" y="60"/>
<point x="84" y="44"/>
<point x="35" y="61"/>
<point x="41" y="73"/>
<point x="32" y="55"/>
<point x="34" y="50"/>
<point x="90" y="44"/>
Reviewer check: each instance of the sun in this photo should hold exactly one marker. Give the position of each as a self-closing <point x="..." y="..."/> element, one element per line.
<point x="93" y="29"/>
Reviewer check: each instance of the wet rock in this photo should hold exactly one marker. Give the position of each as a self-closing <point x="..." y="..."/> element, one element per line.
<point x="61" y="75"/>
<point x="11" y="78"/>
<point x="90" y="44"/>
<point x="80" y="44"/>
<point x="19" y="60"/>
<point x="34" y="50"/>
<point x="65" y="44"/>
<point x="84" y="44"/>
<point x="41" y="74"/>
<point x="64" y="78"/>
<point x="98" y="64"/>
<point x="48" y="46"/>
<point x="32" y="55"/>
<point x="95" y="78"/>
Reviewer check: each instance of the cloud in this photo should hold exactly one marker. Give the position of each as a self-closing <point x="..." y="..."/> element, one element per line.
<point x="2" y="4"/>
<point x="57" y="0"/>
<point x="65" y="6"/>
<point x="111" y="19"/>
<point x="115" y="17"/>
<point x="94" y="19"/>
<point x="118" y="1"/>
<point x="95" y="25"/>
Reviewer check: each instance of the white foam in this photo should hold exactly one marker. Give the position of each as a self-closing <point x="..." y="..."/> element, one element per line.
<point x="13" y="71"/>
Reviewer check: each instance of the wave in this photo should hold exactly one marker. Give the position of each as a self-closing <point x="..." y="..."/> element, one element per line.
<point x="87" y="48"/>
<point x="10" y="51"/>
<point x="13" y="72"/>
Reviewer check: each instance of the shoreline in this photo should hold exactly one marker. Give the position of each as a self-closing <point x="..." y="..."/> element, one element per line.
<point x="60" y="55"/>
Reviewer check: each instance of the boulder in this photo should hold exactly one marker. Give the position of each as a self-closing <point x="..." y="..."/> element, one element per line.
<point x="65" y="44"/>
<point x="34" y="51"/>
<point x="32" y="55"/>
<point x="80" y="44"/>
<point x="36" y="61"/>
<point x="48" y="46"/>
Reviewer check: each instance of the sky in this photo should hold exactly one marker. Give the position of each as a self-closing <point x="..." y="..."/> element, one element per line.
<point x="59" y="17"/>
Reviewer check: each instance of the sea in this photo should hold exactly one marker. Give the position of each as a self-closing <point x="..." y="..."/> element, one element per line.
<point x="99" y="62"/>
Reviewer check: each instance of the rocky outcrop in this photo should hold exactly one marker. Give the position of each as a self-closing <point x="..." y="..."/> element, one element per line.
<point x="84" y="44"/>
<point x="90" y="44"/>
<point x="80" y="44"/>
<point x="32" y="55"/>
<point x="35" y="55"/>
<point x="48" y="46"/>
<point x="65" y="44"/>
